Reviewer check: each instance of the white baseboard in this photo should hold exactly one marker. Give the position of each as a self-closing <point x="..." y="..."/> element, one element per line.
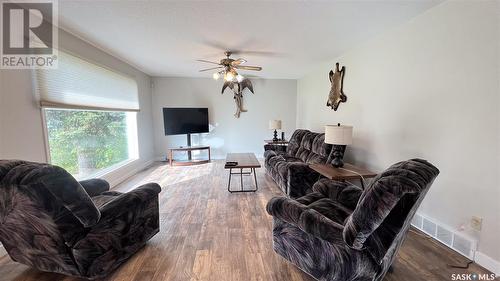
<point x="213" y="156"/>
<point x="488" y="263"/>
<point x="478" y="257"/>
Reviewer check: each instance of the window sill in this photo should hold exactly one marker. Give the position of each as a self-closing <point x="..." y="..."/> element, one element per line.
<point x="110" y="170"/>
<point x="124" y="170"/>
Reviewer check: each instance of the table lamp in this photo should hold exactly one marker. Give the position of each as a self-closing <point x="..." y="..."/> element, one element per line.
<point x="275" y="125"/>
<point x="339" y="136"/>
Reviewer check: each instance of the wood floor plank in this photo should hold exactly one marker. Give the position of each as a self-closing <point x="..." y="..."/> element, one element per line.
<point x="207" y="233"/>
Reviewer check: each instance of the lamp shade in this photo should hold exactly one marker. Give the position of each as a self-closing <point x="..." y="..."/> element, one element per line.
<point x="274" y="124"/>
<point x="338" y="134"/>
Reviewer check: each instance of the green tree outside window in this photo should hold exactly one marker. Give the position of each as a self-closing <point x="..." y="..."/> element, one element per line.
<point x="84" y="142"/>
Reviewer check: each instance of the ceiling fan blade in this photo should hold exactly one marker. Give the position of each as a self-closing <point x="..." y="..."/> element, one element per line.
<point x="207" y="61"/>
<point x="251" y="76"/>
<point x="238" y="62"/>
<point x="207" y="69"/>
<point x="247" y="67"/>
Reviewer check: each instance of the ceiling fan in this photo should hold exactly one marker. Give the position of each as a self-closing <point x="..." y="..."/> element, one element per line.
<point x="228" y="67"/>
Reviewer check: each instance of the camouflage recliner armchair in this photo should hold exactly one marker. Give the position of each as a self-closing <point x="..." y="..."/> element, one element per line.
<point x="52" y="222"/>
<point x="341" y="232"/>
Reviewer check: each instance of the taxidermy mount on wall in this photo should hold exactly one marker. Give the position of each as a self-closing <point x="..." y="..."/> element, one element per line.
<point x="238" y="88"/>
<point x="336" y="95"/>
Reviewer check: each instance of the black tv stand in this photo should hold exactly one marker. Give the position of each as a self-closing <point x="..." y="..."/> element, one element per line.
<point x="187" y="149"/>
<point x="189" y="145"/>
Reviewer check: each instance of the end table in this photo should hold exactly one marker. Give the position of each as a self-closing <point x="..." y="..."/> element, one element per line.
<point x="348" y="172"/>
<point x="279" y="145"/>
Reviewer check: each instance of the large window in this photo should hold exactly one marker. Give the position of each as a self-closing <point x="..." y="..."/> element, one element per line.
<point x="86" y="143"/>
<point x="90" y="115"/>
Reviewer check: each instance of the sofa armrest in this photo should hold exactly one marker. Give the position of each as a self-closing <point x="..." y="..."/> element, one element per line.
<point x="300" y="179"/>
<point x="322" y="227"/>
<point x="309" y="220"/>
<point x="285" y="209"/>
<point x="94" y="187"/>
<point x="126" y="223"/>
<point x="269" y="153"/>
<point x="126" y="201"/>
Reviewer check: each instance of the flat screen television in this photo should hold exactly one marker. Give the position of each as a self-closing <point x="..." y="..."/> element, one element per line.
<point x="179" y="121"/>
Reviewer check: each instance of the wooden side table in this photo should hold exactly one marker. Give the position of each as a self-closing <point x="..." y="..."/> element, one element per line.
<point x="348" y="172"/>
<point x="278" y="142"/>
<point x="280" y="145"/>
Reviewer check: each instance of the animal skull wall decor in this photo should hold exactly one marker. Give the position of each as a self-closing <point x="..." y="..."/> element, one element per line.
<point x="238" y="88"/>
<point x="336" y="95"/>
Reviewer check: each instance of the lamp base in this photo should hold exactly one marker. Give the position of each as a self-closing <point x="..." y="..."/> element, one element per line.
<point x="338" y="155"/>
<point x="275" y="135"/>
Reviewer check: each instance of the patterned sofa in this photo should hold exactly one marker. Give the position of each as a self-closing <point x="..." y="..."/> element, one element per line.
<point x="289" y="169"/>
<point x="51" y="222"/>
<point x="340" y="232"/>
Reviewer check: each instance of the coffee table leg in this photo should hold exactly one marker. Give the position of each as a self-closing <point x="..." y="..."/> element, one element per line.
<point x="252" y="170"/>
<point x="229" y="183"/>
<point x="255" y="178"/>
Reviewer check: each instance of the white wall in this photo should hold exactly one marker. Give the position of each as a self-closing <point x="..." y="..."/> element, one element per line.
<point x="1" y="115"/>
<point x="21" y="123"/>
<point x="20" y="117"/>
<point x="428" y="89"/>
<point x="273" y="99"/>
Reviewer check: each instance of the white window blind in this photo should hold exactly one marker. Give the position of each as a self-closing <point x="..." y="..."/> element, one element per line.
<point x="79" y="84"/>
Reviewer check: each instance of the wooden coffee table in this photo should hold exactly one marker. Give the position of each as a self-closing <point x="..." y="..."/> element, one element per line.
<point x="245" y="161"/>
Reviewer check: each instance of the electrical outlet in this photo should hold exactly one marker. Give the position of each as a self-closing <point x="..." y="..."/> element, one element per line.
<point x="476" y="223"/>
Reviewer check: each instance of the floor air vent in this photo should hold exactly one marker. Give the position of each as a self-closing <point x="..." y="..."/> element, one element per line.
<point x="444" y="235"/>
<point x="452" y="239"/>
<point x="417" y="221"/>
<point x="429" y="227"/>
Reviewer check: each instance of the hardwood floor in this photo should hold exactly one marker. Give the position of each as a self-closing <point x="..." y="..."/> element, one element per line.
<point x="209" y="234"/>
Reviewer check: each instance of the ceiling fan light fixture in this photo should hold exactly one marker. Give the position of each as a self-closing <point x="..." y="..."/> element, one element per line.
<point x="229" y="76"/>
<point x="227" y="68"/>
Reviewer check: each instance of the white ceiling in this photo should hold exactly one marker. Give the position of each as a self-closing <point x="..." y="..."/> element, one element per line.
<point x="164" y="38"/>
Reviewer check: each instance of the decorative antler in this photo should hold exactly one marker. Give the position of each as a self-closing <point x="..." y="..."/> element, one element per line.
<point x="227" y="84"/>
<point x="238" y="93"/>
<point x="246" y="83"/>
